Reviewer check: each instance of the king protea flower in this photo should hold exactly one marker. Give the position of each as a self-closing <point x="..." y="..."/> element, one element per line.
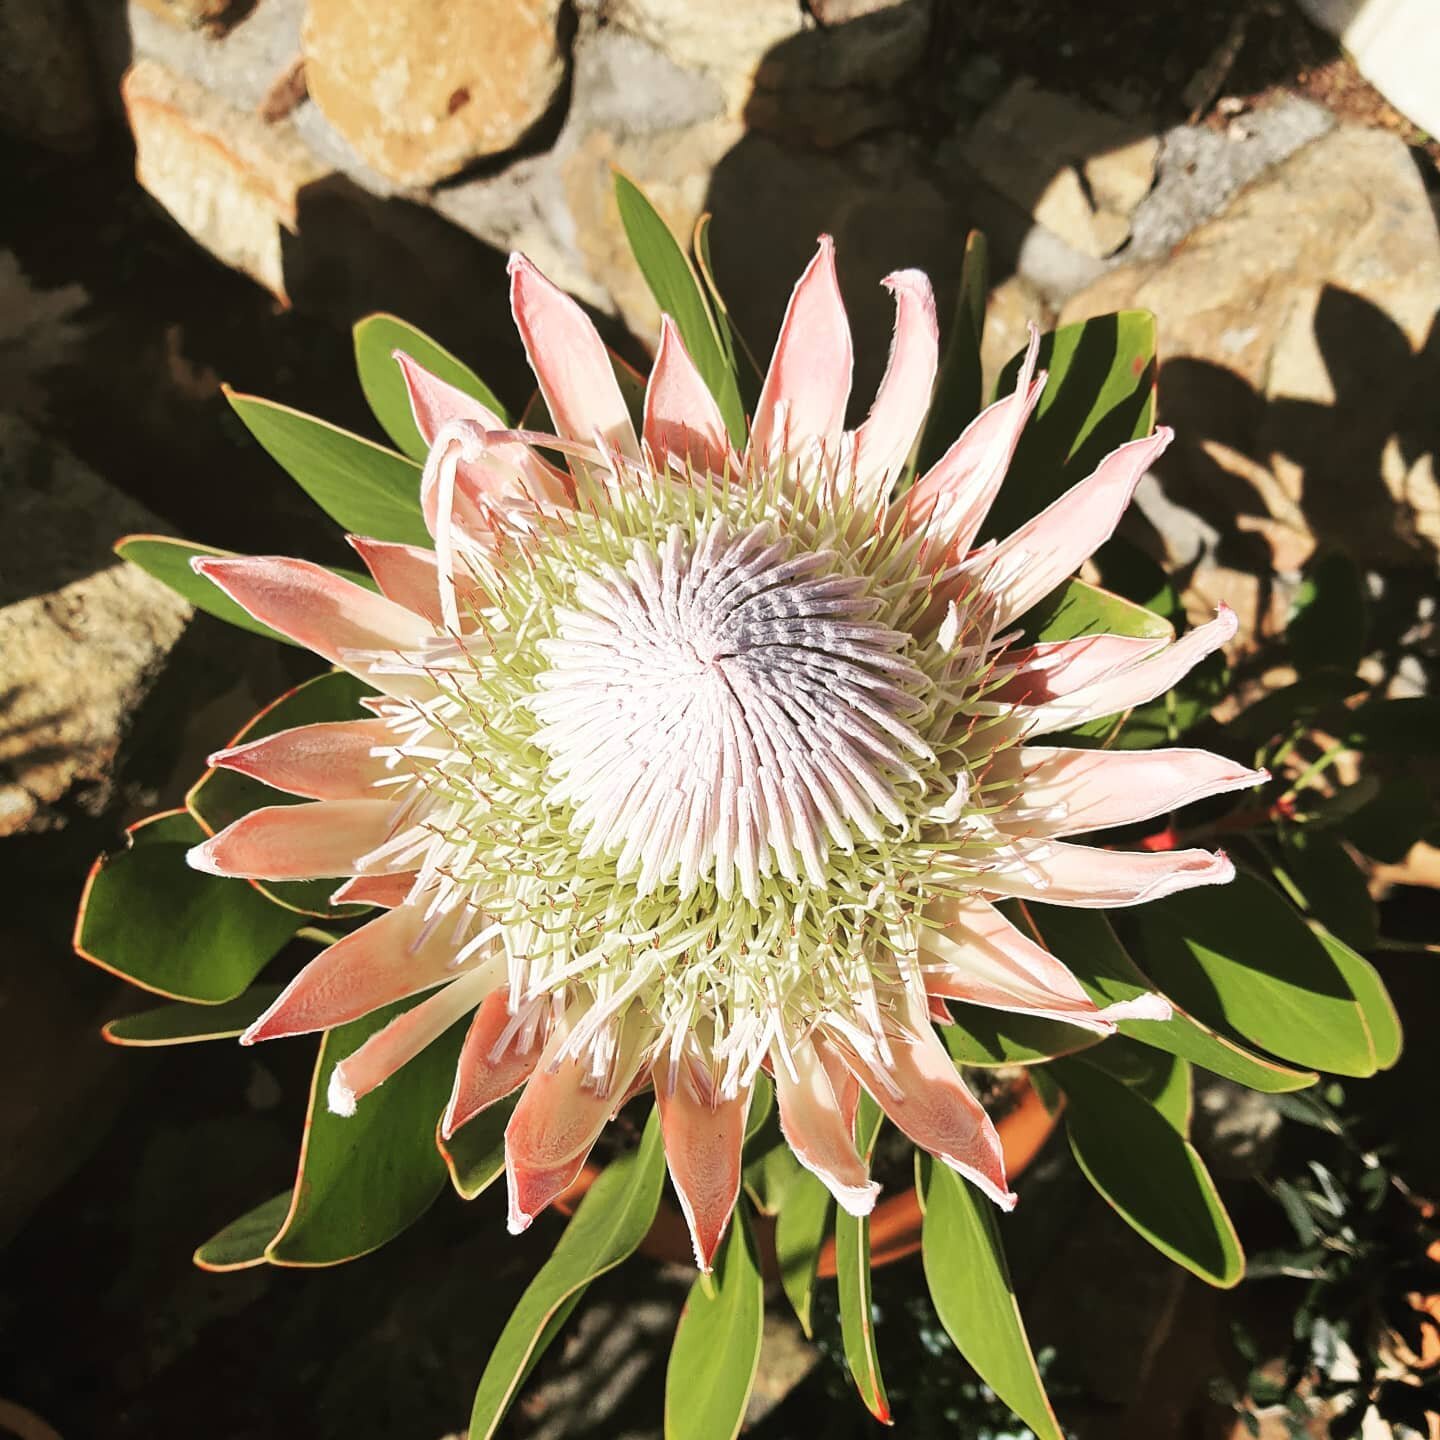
<point x="687" y="764"/>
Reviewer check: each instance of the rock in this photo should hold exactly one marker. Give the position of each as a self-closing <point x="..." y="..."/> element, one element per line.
<point x="239" y="66"/>
<point x="420" y="88"/>
<point x="229" y="178"/>
<point x="1201" y="170"/>
<point x="40" y="330"/>
<point x="726" y="42"/>
<point x="1014" y="304"/>
<point x="82" y="634"/>
<point x="209" y="15"/>
<point x="1395" y="45"/>
<point x="47" y="91"/>
<point x="1078" y="171"/>
<point x="1300" y="358"/>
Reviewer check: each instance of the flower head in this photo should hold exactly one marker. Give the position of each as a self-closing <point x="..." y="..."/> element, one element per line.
<point x="686" y="764"/>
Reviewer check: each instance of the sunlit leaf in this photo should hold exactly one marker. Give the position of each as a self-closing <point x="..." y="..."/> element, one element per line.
<point x="1101" y="393"/>
<point x="1087" y="944"/>
<point x="148" y="917"/>
<point x="242" y="1243"/>
<point x="1382" y="1021"/>
<point x="677" y="291"/>
<point x="368" y="489"/>
<point x="717" y="1343"/>
<point x="475" y="1154"/>
<point x="1240" y="956"/>
<point x="607" y="1227"/>
<point x="363" y="1178"/>
<point x="1136" y="1156"/>
<point x="180" y="1024"/>
<point x="981" y="1036"/>
<point x="1077" y="608"/>
<point x="973" y="1295"/>
<point x="852" y="1276"/>
<point x="168" y="560"/>
<point x="799" y="1235"/>
<point x="377" y="337"/>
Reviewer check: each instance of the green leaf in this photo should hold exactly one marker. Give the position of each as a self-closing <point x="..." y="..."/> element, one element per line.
<point x="148" y="917"/>
<point x="1134" y="1154"/>
<point x="762" y="1103"/>
<point x="607" y="1227"/>
<point x="475" y="1154"/>
<point x="168" y="560"/>
<point x="1100" y="394"/>
<point x="738" y="355"/>
<point x="185" y="1024"/>
<point x="1382" y="1022"/>
<point x="717" y="1344"/>
<point x="1077" y="608"/>
<point x="370" y="490"/>
<point x="959" y="393"/>
<point x="242" y="1243"/>
<point x="1327" y="621"/>
<point x="970" y="1286"/>
<point x="1329" y="884"/>
<point x="981" y="1036"/>
<point x="377" y="337"/>
<point x="220" y="797"/>
<point x="1087" y="944"/>
<point x="1284" y="710"/>
<point x="852" y="1276"/>
<point x="1239" y="955"/>
<point x="799" y="1235"/>
<point x="365" y="1177"/>
<point x="677" y="291"/>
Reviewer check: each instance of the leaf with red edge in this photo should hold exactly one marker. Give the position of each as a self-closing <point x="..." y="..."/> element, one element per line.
<point x="148" y="917"/>
<point x="852" y="1276"/>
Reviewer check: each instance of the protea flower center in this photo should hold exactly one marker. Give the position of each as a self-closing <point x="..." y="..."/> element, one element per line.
<point x="690" y="761"/>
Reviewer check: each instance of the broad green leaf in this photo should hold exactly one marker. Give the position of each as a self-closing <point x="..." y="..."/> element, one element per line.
<point x="1077" y="608"/>
<point x="377" y="337"/>
<point x="475" y="1154"/>
<point x="981" y="1036"/>
<point x="221" y="797"/>
<point x="368" y="489"/>
<point x="959" y="394"/>
<point x="242" y="1243"/>
<point x="1085" y="941"/>
<point x="970" y="1286"/>
<point x="677" y="291"/>
<point x="799" y="1235"/>
<point x="738" y="355"/>
<point x="852" y="1276"/>
<point x="1382" y="1022"/>
<point x="1328" y="884"/>
<point x="1136" y="1156"/>
<point x="607" y="1227"/>
<point x="180" y="1024"/>
<point x="1161" y="1080"/>
<point x="168" y="560"/>
<point x="717" y="1343"/>
<point x="151" y="919"/>
<point x="1240" y="956"/>
<point x="1101" y="393"/>
<point x="1327" y="621"/>
<point x="365" y="1177"/>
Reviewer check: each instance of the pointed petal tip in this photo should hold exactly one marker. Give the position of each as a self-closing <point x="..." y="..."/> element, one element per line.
<point x="518" y="1224"/>
<point x="339" y="1096"/>
<point x="201" y="857"/>
<point x="857" y="1200"/>
<point x="1142" y="1007"/>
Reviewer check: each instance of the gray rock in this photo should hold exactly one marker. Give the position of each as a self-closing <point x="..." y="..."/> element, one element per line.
<point x="1201" y="170"/>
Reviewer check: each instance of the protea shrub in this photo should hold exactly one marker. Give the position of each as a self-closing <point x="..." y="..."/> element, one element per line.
<point x="687" y="751"/>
